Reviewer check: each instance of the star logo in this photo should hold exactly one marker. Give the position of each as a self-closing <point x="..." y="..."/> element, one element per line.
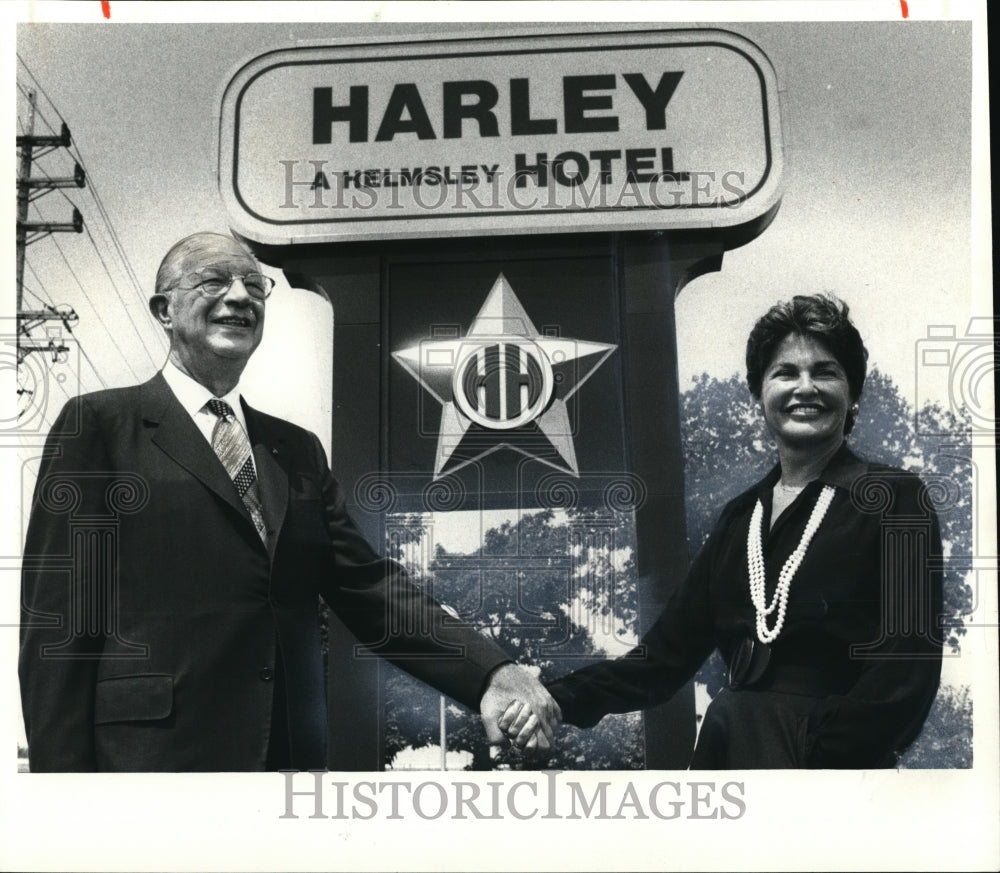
<point x="503" y="385"/>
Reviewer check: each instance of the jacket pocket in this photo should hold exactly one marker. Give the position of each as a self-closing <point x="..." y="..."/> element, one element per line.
<point x="145" y="697"/>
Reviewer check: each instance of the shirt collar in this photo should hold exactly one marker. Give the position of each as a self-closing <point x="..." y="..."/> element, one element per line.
<point x="841" y="471"/>
<point x="193" y="395"/>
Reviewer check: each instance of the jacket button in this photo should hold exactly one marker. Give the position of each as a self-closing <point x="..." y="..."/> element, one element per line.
<point x="267" y="674"/>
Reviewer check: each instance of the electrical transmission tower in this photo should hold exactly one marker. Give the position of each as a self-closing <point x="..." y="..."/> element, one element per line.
<point x="30" y="188"/>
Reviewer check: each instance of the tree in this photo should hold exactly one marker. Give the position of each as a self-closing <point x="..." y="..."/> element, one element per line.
<point x="946" y="740"/>
<point x="557" y="589"/>
<point x="538" y="587"/>
<point x="721" y="421"/>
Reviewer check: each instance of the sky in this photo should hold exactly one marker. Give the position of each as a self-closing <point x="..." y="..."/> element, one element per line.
<point x="876" y="124"/>
<point x="877" y="206"/>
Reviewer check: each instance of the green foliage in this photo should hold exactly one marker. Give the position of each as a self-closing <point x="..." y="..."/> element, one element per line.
<point x="727" y="449"/>
<point x="942" y="455"/>
<point x="946" y="740"/>
<point x="539" y="588"/>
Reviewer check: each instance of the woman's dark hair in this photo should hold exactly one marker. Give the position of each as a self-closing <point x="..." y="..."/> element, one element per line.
<point x="821" y="317"/>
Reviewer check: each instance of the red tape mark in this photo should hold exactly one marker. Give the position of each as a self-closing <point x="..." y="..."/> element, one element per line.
<point x="106" y="9"/>
<point x="905" y="7"/>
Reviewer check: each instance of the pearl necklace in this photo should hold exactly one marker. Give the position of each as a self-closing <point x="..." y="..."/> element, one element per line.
<point x="755" y="561"/>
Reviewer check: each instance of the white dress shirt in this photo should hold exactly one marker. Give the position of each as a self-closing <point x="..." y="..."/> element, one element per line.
<point x="193" y="396"/>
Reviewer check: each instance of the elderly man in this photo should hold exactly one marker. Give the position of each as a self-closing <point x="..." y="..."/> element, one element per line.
<point x="177" y="544"/>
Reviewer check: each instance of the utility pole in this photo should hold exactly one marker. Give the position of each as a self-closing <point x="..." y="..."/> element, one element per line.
<point x="28" y="319"/>
<point x="27" y="143"/>
<point x="33" y="147"/>
<point x="23" y="172"/>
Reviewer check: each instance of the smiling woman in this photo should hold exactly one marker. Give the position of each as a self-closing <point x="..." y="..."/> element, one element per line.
<point x="806" y="364"/>
<point x="805" y="394"/>
<point x="819" y="585"/>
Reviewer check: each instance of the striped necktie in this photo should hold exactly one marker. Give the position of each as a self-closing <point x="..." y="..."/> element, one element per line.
<point x="232" y="445"/>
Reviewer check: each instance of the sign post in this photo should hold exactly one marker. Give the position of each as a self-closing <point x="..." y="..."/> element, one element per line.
<point x="501" y="225"/>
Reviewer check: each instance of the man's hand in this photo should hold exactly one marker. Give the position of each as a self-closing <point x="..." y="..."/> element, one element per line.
<point x="517" y="705"/>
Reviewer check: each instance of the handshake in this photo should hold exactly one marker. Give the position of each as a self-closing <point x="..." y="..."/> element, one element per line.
<point x="517" y="706"/>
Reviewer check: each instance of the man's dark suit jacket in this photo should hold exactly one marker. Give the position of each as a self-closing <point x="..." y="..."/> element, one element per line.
<point x="159" y="631"/>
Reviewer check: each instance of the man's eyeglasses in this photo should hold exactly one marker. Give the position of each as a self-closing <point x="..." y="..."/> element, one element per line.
<point x="215" y="283"/>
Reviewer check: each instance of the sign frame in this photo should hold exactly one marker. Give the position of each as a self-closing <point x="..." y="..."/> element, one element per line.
<point x="247" y="219"/>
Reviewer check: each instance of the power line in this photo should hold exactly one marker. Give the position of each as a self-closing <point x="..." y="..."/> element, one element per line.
<point x="41" y="285"/>
<point x="38" y="299"/>
<point x="116" y="241"/>
<point x="68" y="327"/>
<point x="97" y="311"/>
<point x="75" y="152"/>
<point x="130" y="273"/>
<point x="27" y="290"/>
<point x="86" y="357"/>
<point x="79" y="345"/>
<point x="41" y="90"/>
<point x="38" y="111"/>
<point x="138" y="295"/>
<point x="114" y="285"/>
<point x="121" y="299"/>
<point x="28" y="395"/>
<point x="41" y="411"/>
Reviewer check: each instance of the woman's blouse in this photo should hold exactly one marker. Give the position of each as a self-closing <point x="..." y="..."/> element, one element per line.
<point x="862" y="631"/>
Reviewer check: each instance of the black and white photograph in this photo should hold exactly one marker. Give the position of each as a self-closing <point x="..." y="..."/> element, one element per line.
<point x="485" y="436"/>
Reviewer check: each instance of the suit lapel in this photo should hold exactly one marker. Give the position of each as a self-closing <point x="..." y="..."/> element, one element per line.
<point x="272" y="480"/>
<point x="178" y="436"/>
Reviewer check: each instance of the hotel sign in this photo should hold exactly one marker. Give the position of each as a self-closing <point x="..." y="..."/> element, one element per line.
<point x="666" y="129"/>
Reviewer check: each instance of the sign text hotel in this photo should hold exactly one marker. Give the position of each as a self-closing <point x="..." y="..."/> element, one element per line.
<point x="633" y="130"/>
